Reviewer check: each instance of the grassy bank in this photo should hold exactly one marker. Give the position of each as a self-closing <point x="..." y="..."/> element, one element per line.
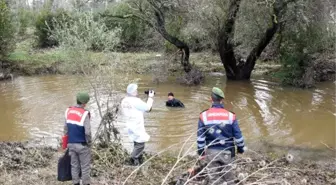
<point x="29" y="165"/>
<point x="26" y="60"/>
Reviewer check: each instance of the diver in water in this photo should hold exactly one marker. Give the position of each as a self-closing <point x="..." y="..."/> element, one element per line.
<point x="173" y="102"/>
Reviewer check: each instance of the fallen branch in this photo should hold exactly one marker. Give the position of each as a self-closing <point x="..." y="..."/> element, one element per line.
<point x="327" y="146"/>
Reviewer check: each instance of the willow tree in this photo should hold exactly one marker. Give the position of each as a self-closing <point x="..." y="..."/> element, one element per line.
<point x="241" y="30"/>
<point x="155" y="13"/>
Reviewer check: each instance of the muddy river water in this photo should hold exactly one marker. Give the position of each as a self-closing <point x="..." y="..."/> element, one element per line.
<point x="33" y="108"/>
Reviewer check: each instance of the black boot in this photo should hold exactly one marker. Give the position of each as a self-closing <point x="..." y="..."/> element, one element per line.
<point x="141" y="159"/>
<point x="136" y="162"/>
<point x="128" y="161"/>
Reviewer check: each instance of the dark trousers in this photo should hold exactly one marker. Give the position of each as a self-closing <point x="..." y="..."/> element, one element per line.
<point x="137" y="153"/>
<point x="219" y="170"/>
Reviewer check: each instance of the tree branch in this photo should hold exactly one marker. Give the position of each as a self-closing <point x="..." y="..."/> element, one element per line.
<point x="159" y="25"/>
<point x="278" y="7"/>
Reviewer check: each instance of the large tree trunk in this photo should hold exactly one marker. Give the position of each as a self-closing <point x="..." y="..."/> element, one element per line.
<point x="225" y="45"/>
<point x="241" y="70"/>
<point x="173" y="40"/>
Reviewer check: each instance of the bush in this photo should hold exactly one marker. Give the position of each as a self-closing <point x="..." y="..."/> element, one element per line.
<point x="84" y="31"/>
<point x="294" y="64"/>
<point x="6" y="30"/>
<point x="25" y="18"/>
<point x="302" y="39"/>
<point x="135" y="33"/>
<point x="194" y="77"/>
<point x="45" y="25"/>
<point x="297" y="54"/>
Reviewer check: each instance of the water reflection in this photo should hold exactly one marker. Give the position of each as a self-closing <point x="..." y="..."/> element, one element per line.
<point x="249" y="113"/>
<point x="317" y="98"/>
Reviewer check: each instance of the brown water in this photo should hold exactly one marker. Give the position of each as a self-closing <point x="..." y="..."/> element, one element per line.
<point x="33" y="108"/>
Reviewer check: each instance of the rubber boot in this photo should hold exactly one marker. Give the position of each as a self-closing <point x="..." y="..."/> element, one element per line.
<point x="141" y="159"/>
<point x="136" y="162"/>
<point x="128" y="161"/>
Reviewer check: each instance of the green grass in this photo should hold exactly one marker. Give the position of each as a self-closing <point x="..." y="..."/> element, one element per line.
<point x="32" y="60"/>
<point x="25" y="54"/>
<point x="46" y="57"/>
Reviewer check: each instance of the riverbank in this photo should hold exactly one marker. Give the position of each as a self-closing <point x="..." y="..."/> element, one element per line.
<point x="56" y="62"/>
<point x="21" y="164"/>
<point x="28" y="61"/>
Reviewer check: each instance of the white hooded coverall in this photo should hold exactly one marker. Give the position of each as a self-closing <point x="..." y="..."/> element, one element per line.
<point x="133" y="109"/>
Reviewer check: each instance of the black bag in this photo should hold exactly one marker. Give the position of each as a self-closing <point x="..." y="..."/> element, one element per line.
<point x="64" y="167"/>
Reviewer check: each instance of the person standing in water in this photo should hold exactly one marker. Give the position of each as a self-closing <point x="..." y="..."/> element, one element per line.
<point x="133" y="109"/>
<point x="173" y="102"/>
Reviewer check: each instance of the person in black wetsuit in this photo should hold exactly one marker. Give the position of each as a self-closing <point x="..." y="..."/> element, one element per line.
<point x="173" y="102"/>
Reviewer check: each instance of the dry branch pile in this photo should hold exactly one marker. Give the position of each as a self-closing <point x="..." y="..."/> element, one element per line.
<point x="17" y="156"/>
<point x="262" y="170"/>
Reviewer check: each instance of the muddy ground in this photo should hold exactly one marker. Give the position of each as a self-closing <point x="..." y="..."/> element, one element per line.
<point x="20" y="164"/>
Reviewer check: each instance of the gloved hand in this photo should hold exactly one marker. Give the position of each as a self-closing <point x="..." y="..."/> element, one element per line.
<point x="151" y="94"/>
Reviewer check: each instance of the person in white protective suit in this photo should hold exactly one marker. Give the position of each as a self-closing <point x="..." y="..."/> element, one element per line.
<point x="133" y="109"/>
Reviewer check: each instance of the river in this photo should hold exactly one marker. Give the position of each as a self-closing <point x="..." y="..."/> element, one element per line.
<point x="32" y="108"/>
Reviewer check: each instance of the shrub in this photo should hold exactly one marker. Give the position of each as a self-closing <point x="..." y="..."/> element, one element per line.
<point x="25" y="18"/>
<point x="294" y="63"/>
<point x="45" y="25"/>
<point x="302" y="39"/>
<point x="194" y="77"/>
<point x="297" y="54"/>
<point x="6" y="30"/>
<point x="84" y="31"/>
<point x="135" y="33"/>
